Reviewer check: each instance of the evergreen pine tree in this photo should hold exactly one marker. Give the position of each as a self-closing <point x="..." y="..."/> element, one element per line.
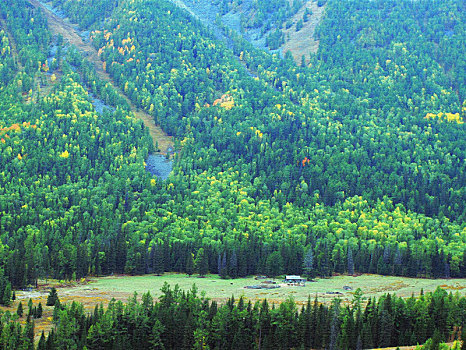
<point x="385" y="329"/>
<point x="19" y="310"/>
<point x="30" y="307"/>
<point x="436" y="339"/>
<point x="42" y="345"/>
<point x="50" y="344"/>
<point x="350" y="262"/>
<point x="6" y="300"/>
<point x="154" y="338"/>
<point x="308" y="263"/>
<point x="29" y="333"/>
<point x="274" y="264"/>
<point x="202" y="263"/>
<point x="334" y="326"/>
<point x="39" y="311"/>
<point x="223" y="266"/>
<point x="188" y="334"/>
<point x="52" y="297"/>
<point x="189" y="264"/>
<point x="233" y="264"/>
<point x="159" y="263"/>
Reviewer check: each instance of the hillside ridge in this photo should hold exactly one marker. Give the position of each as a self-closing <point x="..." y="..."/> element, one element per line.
<point x="60" y="26"/>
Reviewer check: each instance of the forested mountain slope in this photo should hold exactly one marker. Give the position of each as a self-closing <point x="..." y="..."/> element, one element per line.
<point x="343" y="165"/>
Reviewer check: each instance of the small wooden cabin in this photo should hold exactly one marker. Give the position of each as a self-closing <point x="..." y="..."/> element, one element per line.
<point x="295" y="280"/>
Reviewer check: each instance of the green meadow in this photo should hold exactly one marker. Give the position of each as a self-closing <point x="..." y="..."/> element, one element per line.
<point x="121" y="287"/>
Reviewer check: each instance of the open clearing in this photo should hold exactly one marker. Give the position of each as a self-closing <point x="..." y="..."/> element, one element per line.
<point x="121" y="287"/>
<point x="102" y="290"/>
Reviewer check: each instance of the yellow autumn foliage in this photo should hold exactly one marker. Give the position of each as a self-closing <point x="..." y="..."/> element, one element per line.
<point x="448" y="117"/>
<point x="227" y="104"/>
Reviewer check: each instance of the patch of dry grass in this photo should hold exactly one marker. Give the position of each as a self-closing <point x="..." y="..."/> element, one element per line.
<point x="302" y="42"/>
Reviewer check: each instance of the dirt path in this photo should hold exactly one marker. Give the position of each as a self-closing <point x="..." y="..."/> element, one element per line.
<point x="69" y="32"/>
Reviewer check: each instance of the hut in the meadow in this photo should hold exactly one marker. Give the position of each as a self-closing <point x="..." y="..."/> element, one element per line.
<point x="295" y="280"/>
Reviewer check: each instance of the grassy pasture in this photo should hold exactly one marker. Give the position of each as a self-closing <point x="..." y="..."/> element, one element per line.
<point x="121" y="287"/>
<point x="102" y="290"/>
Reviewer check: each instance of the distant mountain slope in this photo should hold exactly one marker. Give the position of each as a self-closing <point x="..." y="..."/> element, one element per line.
<point x="300" y="38"/>
<point x="278" y="26"/>
<point x="352" y="163"/>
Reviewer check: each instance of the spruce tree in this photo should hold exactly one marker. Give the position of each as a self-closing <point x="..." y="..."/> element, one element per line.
<point x="202" y="263"/>
<point x="29" y="332"/>
<point x="436" y="339"/>
<point x="219" y="263"/>
<point x="233" y="270"/>
<point x="350" y="262"/>
<point x="359" y="343"/>
<point x="30" y="307"/>
<point x="308" y="263"/>
<point x="19" y="310"/>
<point x="189" y="264"/>
<point x="42" y="342"/>
<point x="158" y="259"/>
<point x="52" y="298"/>
<point x="223" y="266"/>
<point x="6" y="300"/>
<point x="274" y="264"/>
<point x="39" y="311"/>
<point x="334" y="325"/>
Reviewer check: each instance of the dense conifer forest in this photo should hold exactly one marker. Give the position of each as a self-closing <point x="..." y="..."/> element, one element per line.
<point x="351" y="163"/>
